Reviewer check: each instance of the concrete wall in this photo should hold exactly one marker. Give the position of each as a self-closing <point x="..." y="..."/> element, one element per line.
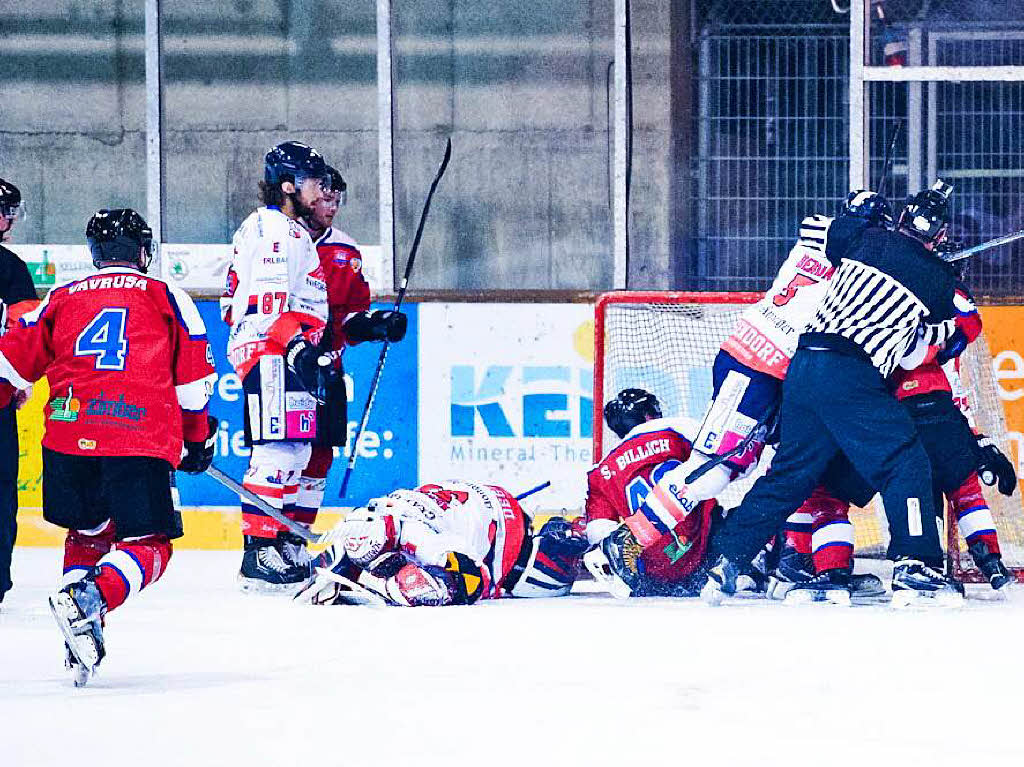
<point x="520" y="86"/>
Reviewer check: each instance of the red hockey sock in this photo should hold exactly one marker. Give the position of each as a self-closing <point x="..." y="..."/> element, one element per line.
<point x="83" y="549"/>
<point x="973" y="516"/>
<point x="131" y="566"/>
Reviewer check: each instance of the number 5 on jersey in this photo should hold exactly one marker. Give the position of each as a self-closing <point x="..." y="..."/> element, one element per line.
<point x="105" y="339"/>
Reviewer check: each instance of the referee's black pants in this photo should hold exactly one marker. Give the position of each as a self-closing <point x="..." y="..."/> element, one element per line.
<point x="833" y="402"/>
<point x="8" y="492"/>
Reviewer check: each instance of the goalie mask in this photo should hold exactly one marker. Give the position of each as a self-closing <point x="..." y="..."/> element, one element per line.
<point x="120" y="235"/>
<point x="926" y="215"/>
<point x="10" y="200"/>
<point x="554" y="562"/>
<point x="629" y="409"/>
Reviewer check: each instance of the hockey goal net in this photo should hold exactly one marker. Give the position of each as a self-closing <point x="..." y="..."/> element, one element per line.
<point x="666" y="342"/>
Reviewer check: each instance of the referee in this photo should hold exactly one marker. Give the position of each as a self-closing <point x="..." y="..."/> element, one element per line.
<point x="889" y="292"/>
<point x="15" y="287"/>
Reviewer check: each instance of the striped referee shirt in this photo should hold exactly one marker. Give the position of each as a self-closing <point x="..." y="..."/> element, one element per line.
<point x="885" y="292"/>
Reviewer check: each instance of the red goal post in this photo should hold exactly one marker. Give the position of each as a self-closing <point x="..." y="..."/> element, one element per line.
<point x="666" y="342"/>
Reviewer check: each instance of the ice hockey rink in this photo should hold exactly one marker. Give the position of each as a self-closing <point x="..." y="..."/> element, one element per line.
<point x="198" y="673"/>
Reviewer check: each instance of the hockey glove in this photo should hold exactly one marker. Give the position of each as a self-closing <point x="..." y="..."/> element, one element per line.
<point x="994" y="466"/>
<point x="199" y="455"/>
<point x="305" y="360"/>
<point x="378" y="325"/>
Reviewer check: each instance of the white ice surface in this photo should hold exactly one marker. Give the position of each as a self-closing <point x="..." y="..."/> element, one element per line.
<point x="200" y="674"/>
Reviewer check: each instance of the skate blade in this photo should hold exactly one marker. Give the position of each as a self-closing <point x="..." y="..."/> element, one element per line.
<point x="711" y="594"/>
<point x="597" y="566"/>
<point x="82" y="646"/>
<point x="909" y="598"/>
<point x="258" y="586"/>
<point x="837" y="598"/>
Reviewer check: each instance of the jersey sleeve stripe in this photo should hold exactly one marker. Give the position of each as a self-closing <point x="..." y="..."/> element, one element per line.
<point x="9" y="374"/>
<point x="195" y="395"/>
<point x="186" y="312"/>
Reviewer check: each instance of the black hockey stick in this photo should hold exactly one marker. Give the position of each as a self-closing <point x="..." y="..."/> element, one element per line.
<point x="354" y="447"/>
<point x="718" y="460"/>
<point x="890" y="154"/>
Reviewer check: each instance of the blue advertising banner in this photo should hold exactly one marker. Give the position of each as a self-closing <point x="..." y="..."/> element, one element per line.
<point x="387" y="450"/>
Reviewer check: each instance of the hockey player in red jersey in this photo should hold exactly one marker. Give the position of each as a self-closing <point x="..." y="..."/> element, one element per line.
<point x="350" y="322"/>
<point x="444" y="543"/>
<point x="276" y="303"/>
<point x="130" y="374"/>
<point x="623" y="483"/>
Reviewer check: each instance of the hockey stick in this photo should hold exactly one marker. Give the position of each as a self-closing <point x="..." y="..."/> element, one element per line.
<point x="533" y="490"/>
<point x="966" y="252"/>
<point x="890" y="155"/>
<point x="718" y="460"/>
<point x="293" y="526"/>
<point x="354" y="450"/>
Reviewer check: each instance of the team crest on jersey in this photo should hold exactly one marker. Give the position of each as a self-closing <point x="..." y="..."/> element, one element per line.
<point x="65" y="408"/>
<point x="294" y="231"/>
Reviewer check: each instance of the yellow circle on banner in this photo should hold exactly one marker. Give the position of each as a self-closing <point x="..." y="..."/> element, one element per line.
<point x="583" y="340"/>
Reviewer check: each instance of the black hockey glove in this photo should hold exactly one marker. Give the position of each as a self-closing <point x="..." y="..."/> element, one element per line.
<point x="994" y="466"/>
<point x="378" y="325"/>
<point x="199" y="455"/>
<point x="305" y="360"/>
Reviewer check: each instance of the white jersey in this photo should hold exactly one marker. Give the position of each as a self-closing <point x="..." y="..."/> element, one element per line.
<point x="277" y="271"/>
<point x="766" y="335"/>
<point x="483" y="522"/>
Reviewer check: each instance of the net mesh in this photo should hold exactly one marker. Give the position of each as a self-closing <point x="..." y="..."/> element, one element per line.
<point x="667" y="345"/>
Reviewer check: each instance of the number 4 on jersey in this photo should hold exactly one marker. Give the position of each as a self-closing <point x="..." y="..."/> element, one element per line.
<point x="104" y="338"/>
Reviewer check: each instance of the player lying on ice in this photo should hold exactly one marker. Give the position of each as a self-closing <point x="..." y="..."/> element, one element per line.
<point x="454" y="542"/>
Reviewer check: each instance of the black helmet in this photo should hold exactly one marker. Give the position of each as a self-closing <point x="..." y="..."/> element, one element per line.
<point x="120" y="234"/>
<point x="869" y="205"/>
<point x="926" y="215"/>
<point x="629" y="409"/>
<point x="10" y="199"/>
<point x="293" y="161"/>
<point x="338" y="184"/>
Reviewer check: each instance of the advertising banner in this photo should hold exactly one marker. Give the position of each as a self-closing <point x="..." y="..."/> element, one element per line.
<point x="1004" y="329"/>
<point x="506" y="396"/>
<point x="387" y="447"/>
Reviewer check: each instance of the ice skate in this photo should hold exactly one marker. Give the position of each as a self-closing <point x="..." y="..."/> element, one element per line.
<point x="913" y="582"/>
<point x="78" y="609"/>
<point x="793" y="568"/>
<point x="264" y="569"/>
<point x="615" y="562"/>
<point x="830" y="586"/>
<point x="721" y="581"/>
<point x="293" y="549"/>
<point x="991" y="566"/>
<point x="866" y="586"/>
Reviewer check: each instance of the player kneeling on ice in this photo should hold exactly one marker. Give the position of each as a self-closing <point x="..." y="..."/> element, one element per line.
<point x="130" y="374"/>
<point x="441" y="544"/>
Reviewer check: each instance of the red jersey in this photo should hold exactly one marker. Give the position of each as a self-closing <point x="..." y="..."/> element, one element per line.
<point x="128" y="363"/>
<point x="619" y="485"/>
<point x="347" y="289"/>
<point x="931" y="375"/>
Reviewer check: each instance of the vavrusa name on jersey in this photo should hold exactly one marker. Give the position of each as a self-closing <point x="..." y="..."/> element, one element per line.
<point x="105" y="283"/>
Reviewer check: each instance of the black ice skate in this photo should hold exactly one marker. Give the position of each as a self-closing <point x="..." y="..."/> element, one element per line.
<point x="293" y="549"/>
<point x="793" y="568"/>
<point x="914" y="582"/>
<point x="991" y="565"/>
<point x="830" y="586"/>
<point x="721" y="581"/>
<point x="265" y="569"/>
<point x="78" y="609"/>
<point x="615" y="562"/>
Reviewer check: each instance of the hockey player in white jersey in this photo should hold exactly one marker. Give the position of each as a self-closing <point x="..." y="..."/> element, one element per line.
<point x="276" y="303"/>
<point x="452" y="542"/>
<point x="748" y="373"/>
